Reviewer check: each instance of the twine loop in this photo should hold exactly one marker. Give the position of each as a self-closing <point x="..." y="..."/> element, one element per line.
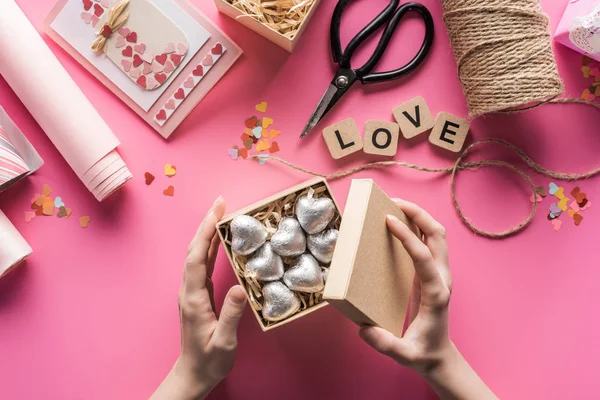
<point x="117" y="16"/>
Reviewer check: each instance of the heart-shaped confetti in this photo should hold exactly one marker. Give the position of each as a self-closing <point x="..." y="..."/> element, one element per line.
<point x="176" y="58"/>
<point x="161" y="58"/>
<point x="562" y="204"/>
<point x="58" y="202"/>
<point x="552" y="188"/>
<point x="48" y="207"/>
<point x="84" y="221"/>
<point x="170" y="48"/>
<point x="137" y="60"/>
<point x="257" y="132"/>
<point x="574" y="206"/>
<point x="64" y="212"/>
<point x="577" y="218"/>
<point x="198" y="71"/>
<point x="140" y="48"/>
<point x="105" y="3"/>
<point x="132" y="37"/>
<point x="244" y="153"/>
<point x="554" y="209"/>
<point x="208" y="60"/>
<point x="157" y="67"/>
<point x="587" y="95"/>
<point x="556" y="224"/>
<point x="251" y="122"/>
<point x="182" y="48"/>
<point x="587" y="205"/>
<point x="120" y="42"/>
<point x="152" y="83"/>
<point x="537" y="199"/>
<point x="263" y="158"/>
<point x="124" y="31"/>
<point x="217" y="49"/>
<point x="29" y="215"/>
<point x="162" y="115"/>
<point x="586" y="71"/>
<point x="160" y="78"/>
<point x="95" y="21"/>
<point x="170" y="105"/>
<point x="127" y="51"/>
<point x="169" y="67"/>
<point x="98" y="10"/>
<point x="189" y="82"/>
<point x="266" y="122"/>
<point x="560" y="193"/>
<point x="233" y="153"/>
<point x="578" y="195"/>
<point x="106" y="31"/>
<point x="541" y="191"/>
<point x="135" y="73"/>
<point x="261" y="107"/>
<point x="170" y="170"/>
<point x="273" y="133"/>
<point x="87" y="4"/>
<point x="148" y="58"/>
<point x="147" y="68"/>
<point x="263" y="145"/>
<point x="86" y="17"/>
<point x="169" y="191"/>
<point x="126" y="64"/>
<point x="141" y="81"/>
<point x="149" y="178"/>
<point x="274" y="147"/>
<point x="179" y="94"/>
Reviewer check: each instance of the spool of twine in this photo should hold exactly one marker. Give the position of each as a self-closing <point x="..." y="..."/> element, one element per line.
<point x="504" y="54"/>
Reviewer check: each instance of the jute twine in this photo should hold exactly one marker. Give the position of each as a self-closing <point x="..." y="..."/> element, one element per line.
<point x="503" y="52"/>
<point x="461" y="165"/>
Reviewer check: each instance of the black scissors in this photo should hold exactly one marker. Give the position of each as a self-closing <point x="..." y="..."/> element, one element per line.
<point x="346" y="75"/>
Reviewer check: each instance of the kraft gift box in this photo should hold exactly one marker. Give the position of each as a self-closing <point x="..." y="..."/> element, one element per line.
<point x="371" y="274"/>
<point x="288" y="44"/>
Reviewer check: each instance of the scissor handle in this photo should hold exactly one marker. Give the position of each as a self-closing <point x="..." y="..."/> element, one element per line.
<point x="363" y="73"/>
<point x="343" y="57"/>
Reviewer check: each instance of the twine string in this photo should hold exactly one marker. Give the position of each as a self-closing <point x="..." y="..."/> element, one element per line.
<point x="117" y="16"/>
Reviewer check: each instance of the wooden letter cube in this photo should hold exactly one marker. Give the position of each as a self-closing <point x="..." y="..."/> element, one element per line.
<point x="449" y="132"/>
<point x="381" y="138"/>
<point x="414" y="117"/>
<point x="343" y="138"/>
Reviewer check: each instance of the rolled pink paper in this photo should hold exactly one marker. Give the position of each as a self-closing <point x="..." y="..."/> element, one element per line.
<point x="13" y="248"/>
<point x="58" y="105"/>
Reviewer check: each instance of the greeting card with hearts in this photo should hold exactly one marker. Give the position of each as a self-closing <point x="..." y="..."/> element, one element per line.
<point x="145" y="51"/>
<point x="18" y="158"/>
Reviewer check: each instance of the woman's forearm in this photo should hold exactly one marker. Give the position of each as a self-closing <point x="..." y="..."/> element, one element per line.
<point x="453" y="378"/>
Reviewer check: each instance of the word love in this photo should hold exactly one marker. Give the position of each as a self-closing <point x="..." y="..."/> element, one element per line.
<point x="381" y="137"/>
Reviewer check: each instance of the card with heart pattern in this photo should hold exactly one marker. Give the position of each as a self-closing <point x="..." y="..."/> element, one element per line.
<point x="147" y="59"/>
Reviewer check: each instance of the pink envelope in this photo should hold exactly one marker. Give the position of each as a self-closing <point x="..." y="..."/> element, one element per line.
<point x="579" y="27"/>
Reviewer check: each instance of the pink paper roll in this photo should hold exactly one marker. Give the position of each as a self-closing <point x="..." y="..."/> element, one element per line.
<point x="58" y="105"/>
<point x="13" y="248"/>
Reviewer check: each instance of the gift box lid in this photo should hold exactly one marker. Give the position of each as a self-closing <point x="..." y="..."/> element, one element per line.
<point x="371" y="274"/>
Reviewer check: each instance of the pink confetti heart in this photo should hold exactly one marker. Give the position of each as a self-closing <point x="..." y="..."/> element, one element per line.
<point x="151" y="83"/>
<point x="556" y="224"/>
<point x="124" y="31"/>
<point x="169" y="67"/>
<point x="574" y="206"/>
<point x="170" y="105"/>
<point x="87" y="17"/>
<point x="538" y="198"/>
<point x="595" y="72"/>
<point x="120" y="42"/>
<point x="182" y="48"/>
<point x="140" y="48"/>
<point x="95" y="21"/>
<point x="147" y="69"/>
<point x="189" y="82"/>
<point x="156" y="67"/>
<point x="170" y="48"/>
<point x="148" y="58"/>
<point x="29" y="215"/>
<point x="105" y="3"/>
<point x="587" y="205"/>
<point x="588" y="96"/>
<point x="233" y="153"/>
<point x="135" y="73"/>
<point x="126" y="65"/>
<point x="207" y="61"/>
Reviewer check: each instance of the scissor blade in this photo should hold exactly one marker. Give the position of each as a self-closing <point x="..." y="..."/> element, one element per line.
<point x="324" y="105"/>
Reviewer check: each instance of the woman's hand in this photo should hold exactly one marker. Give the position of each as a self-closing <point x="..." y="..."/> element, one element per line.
<point x="426" y="346"/>
<point x="208" y="344"/>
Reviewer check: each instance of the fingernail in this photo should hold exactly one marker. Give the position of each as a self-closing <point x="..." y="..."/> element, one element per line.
<point x="392" y="218"/>
<point x="218" y="200"/>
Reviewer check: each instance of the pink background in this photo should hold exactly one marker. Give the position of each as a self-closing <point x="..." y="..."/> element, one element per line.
<point x="93" y="313"/>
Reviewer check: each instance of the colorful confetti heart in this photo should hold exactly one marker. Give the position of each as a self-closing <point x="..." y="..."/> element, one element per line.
<point x="261" y="107"/>
<point x="85" y="221"/>
<point x="170" y="170"/>
<point x="149" y="178"/>
<point x="169" y="191"/>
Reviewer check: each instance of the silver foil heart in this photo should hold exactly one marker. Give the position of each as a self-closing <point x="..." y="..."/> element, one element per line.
<point x="314" y="214"/>
<point x="305" y="276"/>
<point x="265" y="265"/>
<point x="289" y="240"/>
<point x="322" y="245"/>
<point x="280" y="302"/>
<point x="248" y="234"/>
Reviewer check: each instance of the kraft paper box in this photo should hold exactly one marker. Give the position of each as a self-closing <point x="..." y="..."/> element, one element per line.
<point x="371" y="274"/>
<point x="282" y="41"/>
<point x="579" y="27"/>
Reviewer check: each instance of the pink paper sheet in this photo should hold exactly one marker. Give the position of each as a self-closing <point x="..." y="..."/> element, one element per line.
<point x="57" y="104"/>
<point x="13" y="248"/>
